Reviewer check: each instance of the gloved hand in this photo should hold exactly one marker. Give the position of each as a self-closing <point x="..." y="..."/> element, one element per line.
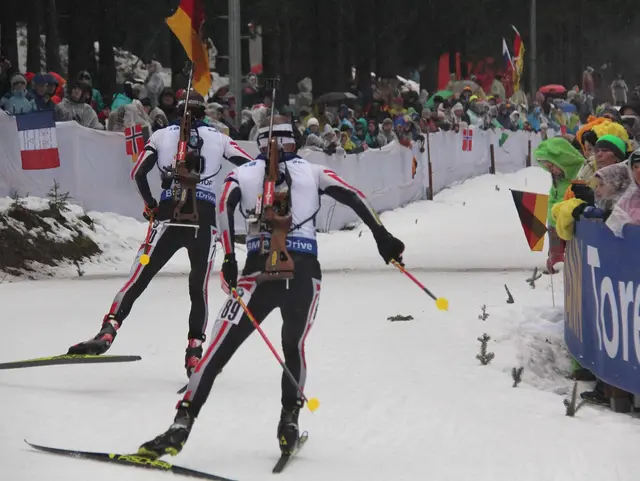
<point x="230" y="270"/>
<point x="591" y="212"/>
<point x="588" y="211"/>
<point x="150" y="210"/>
<point x="583" y="192"/>
<point x="389" y="247"/>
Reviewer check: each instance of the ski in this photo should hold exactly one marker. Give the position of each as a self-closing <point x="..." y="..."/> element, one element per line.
<point x="129" y="460"/>
<point x="67" y="359"/>
<point x="285" y="458"/>
<point x="183" y="389"/>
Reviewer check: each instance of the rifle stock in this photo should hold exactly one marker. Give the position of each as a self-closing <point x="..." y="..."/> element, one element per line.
<point x="276" y="214"/>
<point x="186" y="180"/>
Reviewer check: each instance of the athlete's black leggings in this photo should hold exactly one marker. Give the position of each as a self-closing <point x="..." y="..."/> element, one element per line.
<point x="165" y="241"/>
<point x="298" y="305"/>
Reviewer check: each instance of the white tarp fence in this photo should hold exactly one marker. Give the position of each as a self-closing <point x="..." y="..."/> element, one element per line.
<point x="96" y="170"/>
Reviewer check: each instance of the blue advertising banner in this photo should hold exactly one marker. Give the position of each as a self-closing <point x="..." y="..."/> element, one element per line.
<point x="602" y="302"/>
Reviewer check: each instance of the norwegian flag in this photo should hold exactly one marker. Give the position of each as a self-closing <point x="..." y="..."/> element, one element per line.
<point x="467" y="140"/>
<point x="136" y="137"/>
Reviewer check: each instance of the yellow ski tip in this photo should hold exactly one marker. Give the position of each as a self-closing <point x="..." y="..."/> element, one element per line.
<point x="442" y="304"/>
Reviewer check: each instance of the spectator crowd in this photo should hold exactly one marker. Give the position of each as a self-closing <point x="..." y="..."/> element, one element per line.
<point x="341" y="122"/>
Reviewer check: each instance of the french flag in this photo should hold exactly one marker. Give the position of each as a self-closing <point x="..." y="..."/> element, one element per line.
<point x="38" y="141"/>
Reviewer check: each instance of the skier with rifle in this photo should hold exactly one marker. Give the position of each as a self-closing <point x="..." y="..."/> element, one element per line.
<point x="189" y="156"/>
<point x="278" y="194"/>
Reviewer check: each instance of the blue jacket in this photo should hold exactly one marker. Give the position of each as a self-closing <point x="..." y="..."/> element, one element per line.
<point x="17" y="103"/>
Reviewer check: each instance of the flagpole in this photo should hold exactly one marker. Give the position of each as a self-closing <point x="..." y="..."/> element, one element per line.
<point x="534" y="34"/>
<point x="235" y="56"/>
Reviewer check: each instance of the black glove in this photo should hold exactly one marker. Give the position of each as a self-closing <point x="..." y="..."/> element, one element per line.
<point x="230" y="270"/>
<point x="577" y="212"/>
<point x="150" y="210"/>
<point x="583" y="192"/>
<point x="389" y="247"/>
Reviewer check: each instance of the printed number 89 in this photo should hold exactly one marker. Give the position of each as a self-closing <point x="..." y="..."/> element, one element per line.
<point x="230" y="310"/>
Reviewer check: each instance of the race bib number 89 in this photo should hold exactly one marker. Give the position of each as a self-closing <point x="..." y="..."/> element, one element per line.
<point x="231" y="310"/>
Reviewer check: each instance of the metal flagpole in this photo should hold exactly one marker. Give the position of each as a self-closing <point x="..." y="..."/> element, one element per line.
<point x="235" y="56"/>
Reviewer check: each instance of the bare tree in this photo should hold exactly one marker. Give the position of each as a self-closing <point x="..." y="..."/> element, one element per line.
<point x="9" y="34"/>
<point x="52" y="45"/>
<point x="34" y="62"/>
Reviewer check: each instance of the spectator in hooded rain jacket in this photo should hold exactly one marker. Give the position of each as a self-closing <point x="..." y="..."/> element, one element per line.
<point x="558" y="157"/>
<point x="74" y="108"/>
<point x="17" y="101"/>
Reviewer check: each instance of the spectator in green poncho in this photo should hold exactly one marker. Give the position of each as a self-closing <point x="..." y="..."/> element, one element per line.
<point x="558" y="157"/>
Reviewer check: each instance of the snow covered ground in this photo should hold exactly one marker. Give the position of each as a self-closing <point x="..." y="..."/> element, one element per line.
<point x="470" y="227"/>
<point x="399" y="400"/>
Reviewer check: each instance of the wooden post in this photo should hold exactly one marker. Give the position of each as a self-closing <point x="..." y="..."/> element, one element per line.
<point x="429" y="169"/>
<point x="492" y="169"/>
<point x="529" y="153"/>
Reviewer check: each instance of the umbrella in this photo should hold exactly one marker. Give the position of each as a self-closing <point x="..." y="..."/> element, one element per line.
<point x="553" y="89"/>
<point x="445" y="94"/>
<point x="336" y="97"/>
<point x="568" y="107"/>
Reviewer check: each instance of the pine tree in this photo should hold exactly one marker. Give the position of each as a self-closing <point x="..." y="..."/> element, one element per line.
<point x="484" y="357"/>
<point x="516" y="374"/>
<point x="58" y="200"/>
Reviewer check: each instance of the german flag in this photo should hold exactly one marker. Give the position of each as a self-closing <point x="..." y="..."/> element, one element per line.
<point x="532" y="210"/>
<point x="186" y="24"/>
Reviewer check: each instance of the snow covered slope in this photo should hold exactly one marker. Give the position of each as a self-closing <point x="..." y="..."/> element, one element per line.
<point x="400" y="401"/>
<point x="456" y="231"/>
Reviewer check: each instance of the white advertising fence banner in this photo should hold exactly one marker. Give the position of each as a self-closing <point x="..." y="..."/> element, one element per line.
<point x="95" y="169"/>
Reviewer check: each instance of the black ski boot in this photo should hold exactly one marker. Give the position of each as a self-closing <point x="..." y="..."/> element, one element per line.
<point x="103" y="340"/>
<point x="172" y="441"/>
<point x="597" y="396"/>
<point x="288" y="430"/>
<point x="192" y="355"/>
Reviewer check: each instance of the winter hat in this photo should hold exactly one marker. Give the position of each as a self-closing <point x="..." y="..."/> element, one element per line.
<point x="611" y="113"/>
<point x="313" y="121"/>
<point x="387" y="121"/>
<point x="613" y="128"/>
<point x="84" y="75"/>
<point x="633" y="106"/>
<point x="40" y="79"/>
<point x="634" y="158"/>
<point x="458" y="106"/>
<point x="17" y="78"/>
<point x="613" y="144"/>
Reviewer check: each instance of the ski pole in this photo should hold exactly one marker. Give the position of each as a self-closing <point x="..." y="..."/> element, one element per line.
<point x="144" y="258"/>
<point x="312" y="403"/>
<point x="441" y="302"/>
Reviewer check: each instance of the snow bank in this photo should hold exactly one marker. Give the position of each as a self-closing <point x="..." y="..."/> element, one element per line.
<point x="470" y="226"/>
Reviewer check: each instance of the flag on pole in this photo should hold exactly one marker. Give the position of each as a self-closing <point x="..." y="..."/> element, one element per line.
<point x="186" y="24"/>
<point x="255" y="49"/>
<point x="38" y="141"/>
<point x="518" y="55"/>
<point x="506" y="57"/>
<point x="532" y="210"/>
<point x="135" y="139"/>
<point x="467" y="140"/>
